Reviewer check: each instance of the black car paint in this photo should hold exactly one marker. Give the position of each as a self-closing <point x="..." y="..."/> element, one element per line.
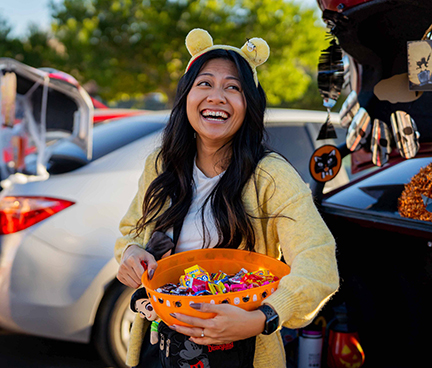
<point x="385" y="265"/>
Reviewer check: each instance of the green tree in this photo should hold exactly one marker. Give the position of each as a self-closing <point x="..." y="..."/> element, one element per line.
<point x="37" y="49"/>
<point x="135" y="47"/>
<point x="9" y="46"/>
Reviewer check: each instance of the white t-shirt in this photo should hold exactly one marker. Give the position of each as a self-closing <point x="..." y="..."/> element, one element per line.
<point x="191" y="235"/>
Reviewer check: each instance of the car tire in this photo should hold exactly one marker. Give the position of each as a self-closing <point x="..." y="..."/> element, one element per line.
<point x="112" y="325"/>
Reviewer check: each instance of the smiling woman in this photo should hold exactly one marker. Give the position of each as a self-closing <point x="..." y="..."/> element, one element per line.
<point x="213" y="183"/>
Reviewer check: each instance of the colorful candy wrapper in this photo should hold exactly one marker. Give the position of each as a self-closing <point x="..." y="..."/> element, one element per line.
<point x="197" y="281"/>
<point x="202" y="292"/>
<point x="238" y="287"/>
<point x="198" y="273"/>
<point x="181" y="290"/>
<point x="218" y="276"/>
<point x="198" y="285"/>
<point x="220" y="287"/>
<point x="262" y="273"/>
<point x="213" y="288"/>
<point x="185" y="281"/>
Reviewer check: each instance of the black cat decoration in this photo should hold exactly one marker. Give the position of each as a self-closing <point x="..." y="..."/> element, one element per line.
<point x="325" y="163"/>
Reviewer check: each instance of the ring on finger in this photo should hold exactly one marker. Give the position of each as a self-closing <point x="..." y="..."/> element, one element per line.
<point x="202" y="333"/>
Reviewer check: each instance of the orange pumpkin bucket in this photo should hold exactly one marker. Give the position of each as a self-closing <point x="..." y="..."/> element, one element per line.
<point x="229" y="261"/>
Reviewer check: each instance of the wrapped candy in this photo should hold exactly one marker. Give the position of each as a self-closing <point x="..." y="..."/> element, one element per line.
<point x="197" y="272"/>
<point x="197" y="281"/>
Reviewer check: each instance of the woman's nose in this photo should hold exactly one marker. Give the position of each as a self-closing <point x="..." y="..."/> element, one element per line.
<point x="216" y="95"/>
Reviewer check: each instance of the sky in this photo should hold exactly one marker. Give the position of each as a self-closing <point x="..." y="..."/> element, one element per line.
<point x="20" y="13"/>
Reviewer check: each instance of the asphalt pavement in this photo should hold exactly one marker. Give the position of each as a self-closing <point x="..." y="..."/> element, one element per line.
<point x="23" y="351"/>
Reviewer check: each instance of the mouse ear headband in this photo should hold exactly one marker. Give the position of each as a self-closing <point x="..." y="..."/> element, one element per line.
<point x="255" y="51"/>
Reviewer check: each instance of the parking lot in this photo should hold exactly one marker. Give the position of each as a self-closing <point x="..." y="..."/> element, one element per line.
<point x="23" y="351"/>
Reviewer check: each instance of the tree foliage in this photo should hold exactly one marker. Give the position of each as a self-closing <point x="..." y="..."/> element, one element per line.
<point x="134" y="47"/>
<point x="37" y="49"/>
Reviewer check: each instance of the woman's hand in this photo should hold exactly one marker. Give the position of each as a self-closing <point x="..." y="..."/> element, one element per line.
<point x="230" y="324"/>
<point x="131" y="269"/>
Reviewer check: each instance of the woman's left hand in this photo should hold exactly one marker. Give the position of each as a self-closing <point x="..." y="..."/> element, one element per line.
<point x="230" y="324"/>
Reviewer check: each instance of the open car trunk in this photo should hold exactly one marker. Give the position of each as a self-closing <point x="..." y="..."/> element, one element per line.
<point x="384" y="256"/>
<point x="39" y="109"/>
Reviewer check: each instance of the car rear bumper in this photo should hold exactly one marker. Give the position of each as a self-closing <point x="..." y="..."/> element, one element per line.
<point x="36" y="302"/>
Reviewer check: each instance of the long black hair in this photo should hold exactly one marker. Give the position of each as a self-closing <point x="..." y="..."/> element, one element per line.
<point x="175" y="181"/>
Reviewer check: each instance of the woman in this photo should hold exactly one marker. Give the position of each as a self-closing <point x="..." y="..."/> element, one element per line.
<point x="214" y="173"/>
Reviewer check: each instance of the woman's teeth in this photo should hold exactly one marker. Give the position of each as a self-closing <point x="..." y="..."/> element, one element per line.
<point x="215" y="115"/>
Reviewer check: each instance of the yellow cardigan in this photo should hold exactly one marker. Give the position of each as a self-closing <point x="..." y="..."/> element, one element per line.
<point x="296" y="229"/>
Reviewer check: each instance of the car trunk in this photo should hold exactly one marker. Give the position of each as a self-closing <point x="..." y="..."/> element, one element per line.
<point x="39" y="109"/>
<point x="385" y="268"/>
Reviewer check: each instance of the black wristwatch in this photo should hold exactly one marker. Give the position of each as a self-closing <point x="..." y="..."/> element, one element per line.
<point x="272" y="319"/>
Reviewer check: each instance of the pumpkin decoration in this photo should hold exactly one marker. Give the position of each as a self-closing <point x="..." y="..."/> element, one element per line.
<point x="345" y="350"/>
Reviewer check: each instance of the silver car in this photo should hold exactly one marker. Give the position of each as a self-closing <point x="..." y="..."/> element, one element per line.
<point x="57" y="270"/>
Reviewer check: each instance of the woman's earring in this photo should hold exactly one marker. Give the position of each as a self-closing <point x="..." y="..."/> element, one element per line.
<point x="195" y="135"/>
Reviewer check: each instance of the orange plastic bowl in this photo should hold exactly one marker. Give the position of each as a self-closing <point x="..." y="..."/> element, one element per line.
<point x="229" y="261"/>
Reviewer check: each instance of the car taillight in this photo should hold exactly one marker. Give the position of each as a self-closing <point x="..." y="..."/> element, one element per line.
<point x="19" y="213"/>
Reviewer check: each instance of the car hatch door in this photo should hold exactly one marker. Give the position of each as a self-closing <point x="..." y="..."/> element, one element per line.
<point x="39" y="109"/>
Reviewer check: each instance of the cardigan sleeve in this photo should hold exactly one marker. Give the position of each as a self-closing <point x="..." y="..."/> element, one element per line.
<point x="308" y="248"/>
<point x="134" y="212"/>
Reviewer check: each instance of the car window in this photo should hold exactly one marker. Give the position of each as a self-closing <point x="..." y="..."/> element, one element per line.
<point x="382" y="191"/>
<point x="292" y="142"/>
<point x="297" y="141"/>
<point x="107" y="137"/>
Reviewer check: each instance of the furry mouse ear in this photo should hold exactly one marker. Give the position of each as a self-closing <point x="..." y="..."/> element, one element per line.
<point x="198" y="40"/>
<point x="257" y="51"/>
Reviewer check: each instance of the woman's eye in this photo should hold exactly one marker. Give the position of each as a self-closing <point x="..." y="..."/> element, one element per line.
<point x="203" y="83"/>
<point x="237" y="88"/>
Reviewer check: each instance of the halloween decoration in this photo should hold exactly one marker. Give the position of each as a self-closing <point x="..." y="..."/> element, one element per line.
<point x="330" y="81"/>
<point x="415" y="201"/>
<point x="380" y="142"/>
<point x="325" y="163"/>
<point x="405" y="134"/>
<point x="344" y="349"/>
<point x="420" y="63"/>
<point x="346" y="72"/>
<point x="394" y="89"/>
<point x="349" y="109"/>
<point x="359" y="130"/>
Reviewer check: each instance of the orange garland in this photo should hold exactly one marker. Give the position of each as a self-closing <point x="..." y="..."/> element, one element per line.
<point x="410" y="202"/>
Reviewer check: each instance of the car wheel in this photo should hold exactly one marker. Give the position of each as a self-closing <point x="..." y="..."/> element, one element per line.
<point x="112" y="325"/>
